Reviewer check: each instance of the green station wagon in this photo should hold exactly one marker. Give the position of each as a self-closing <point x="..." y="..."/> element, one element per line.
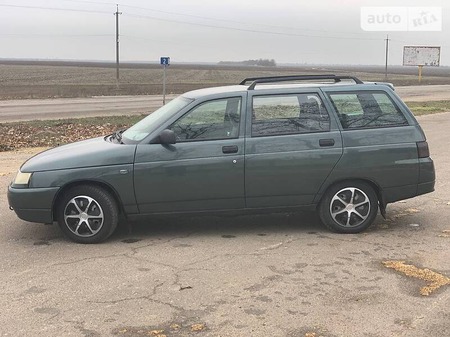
<point x="333" y="143"/>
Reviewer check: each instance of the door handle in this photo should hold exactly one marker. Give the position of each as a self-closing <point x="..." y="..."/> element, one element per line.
<point x="230" y="149"/>
<point x="326" y="142"/>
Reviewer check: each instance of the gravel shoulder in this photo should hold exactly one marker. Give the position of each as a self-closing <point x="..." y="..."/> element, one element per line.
<point x="12" y="160"/>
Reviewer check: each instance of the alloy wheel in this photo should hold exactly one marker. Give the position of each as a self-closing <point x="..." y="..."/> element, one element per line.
<point x="83" y="216"/>
<point x="350" y="207"/>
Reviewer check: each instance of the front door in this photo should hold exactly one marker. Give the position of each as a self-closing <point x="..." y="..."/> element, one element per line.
<point x="203" y="171"/>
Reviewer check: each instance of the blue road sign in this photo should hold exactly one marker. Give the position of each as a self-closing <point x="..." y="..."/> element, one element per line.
<point x="165" y="61"/>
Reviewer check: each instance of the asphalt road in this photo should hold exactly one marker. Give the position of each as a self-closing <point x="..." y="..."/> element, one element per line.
<point x="264" y="275"/>
<point x="21" y="110"/>
<point x="424" y="93"/>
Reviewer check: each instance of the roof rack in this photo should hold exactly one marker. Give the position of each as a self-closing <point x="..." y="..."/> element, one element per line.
<point x="273" y="79"/>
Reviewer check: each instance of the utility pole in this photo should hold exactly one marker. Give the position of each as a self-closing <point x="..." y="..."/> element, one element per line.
<point x="387" y="53"/>
<point x="117" y="13"/>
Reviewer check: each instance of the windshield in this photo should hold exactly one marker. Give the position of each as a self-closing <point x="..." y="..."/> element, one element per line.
<point x="141" y="129"/>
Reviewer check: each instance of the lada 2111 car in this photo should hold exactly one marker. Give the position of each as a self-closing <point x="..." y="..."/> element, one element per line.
<point x="334" y="143"/>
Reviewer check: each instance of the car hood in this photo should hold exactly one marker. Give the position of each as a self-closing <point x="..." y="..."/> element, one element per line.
<point x="87" y="153"/>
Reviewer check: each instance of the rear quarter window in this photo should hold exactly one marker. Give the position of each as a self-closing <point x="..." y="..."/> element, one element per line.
<point x="366" y="109"/>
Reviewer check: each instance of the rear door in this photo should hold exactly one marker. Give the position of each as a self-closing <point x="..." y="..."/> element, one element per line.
<point x="379" y="140"/>
<point x="292" y="145"/>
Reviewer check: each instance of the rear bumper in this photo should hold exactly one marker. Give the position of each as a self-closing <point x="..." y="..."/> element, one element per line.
<point x="33" y="204"/>
<point x="394" y="194"/>
<point x="425" y="188"/>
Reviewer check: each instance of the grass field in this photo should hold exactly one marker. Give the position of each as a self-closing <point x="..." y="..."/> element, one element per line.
<point x="70" y="79"/>
<point x="427" y="108"/>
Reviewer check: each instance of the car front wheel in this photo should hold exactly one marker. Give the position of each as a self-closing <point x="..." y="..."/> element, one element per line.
<point x="87" y="214"/>
<point x="349" y="207"/>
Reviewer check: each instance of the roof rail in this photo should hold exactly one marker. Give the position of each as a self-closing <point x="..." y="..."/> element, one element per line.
<point x="273" y="79"/>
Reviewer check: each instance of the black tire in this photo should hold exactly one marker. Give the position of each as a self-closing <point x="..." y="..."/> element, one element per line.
<point x="87" y="214"/>
<point x="349" y="207"/>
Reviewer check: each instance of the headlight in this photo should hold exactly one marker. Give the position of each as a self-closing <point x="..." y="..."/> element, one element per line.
<point x="22" y="179"/>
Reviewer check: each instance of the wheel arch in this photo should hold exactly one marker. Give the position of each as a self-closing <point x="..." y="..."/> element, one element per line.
<point x="378" y="190"/>
<point x="101" y="184"/>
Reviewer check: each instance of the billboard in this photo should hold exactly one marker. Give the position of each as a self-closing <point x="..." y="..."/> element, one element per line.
<point x="421" y="56"/>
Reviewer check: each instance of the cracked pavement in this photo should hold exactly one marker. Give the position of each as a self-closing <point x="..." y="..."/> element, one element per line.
<point x="249" y="275"/>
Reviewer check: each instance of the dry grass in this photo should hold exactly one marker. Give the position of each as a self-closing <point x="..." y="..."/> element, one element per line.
<point x="429" y="107"/>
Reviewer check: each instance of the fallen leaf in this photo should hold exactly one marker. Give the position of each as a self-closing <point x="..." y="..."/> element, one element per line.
<point x="197" y="327"/>
<point x="445" y="234"/>
<point x="435" y="280"/>
<point x="52" y="133"/>
<point x="412" y="210"/>
<point x="175" y="326"/>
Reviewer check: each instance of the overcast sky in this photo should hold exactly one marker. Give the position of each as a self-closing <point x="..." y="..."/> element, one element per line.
<point x="289" y="31"/>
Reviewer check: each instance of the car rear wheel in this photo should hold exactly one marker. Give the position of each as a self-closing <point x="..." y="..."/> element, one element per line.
<point x="87" y="214"/>
<point x="349" y="207"/>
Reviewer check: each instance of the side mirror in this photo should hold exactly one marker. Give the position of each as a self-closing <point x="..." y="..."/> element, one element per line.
<point x="167" y="137"/>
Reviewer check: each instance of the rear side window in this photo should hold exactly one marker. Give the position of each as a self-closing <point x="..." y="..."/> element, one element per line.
<point x="274" y="115"/>
<point x="367" y="110"/>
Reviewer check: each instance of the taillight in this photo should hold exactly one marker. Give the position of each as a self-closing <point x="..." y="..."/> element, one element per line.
<point x="422" y="149"/>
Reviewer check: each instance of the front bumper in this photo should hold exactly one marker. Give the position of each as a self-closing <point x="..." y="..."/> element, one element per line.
<point x="33" y="204"/>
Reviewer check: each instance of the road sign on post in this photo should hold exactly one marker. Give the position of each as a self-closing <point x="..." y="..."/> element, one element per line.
<point x="165" y="62"/>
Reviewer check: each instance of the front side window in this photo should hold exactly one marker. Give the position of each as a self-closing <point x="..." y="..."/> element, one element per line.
<point x="218" y="119"/>
<point x="288" y="114"/>
<point x="143" y="128"/>
<point x="367" y="110"/>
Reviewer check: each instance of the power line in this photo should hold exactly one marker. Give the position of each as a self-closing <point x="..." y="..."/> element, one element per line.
<point x="409" y="42"/>
<point x="55" y="35"/>
<point x="222" y="20"/>
<point x="249" y="30"/>
<point x="56" y="9"/>
<point x="90" y="2"/>
<point x="215" y="19"/>
<point x="194" y="23"/>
